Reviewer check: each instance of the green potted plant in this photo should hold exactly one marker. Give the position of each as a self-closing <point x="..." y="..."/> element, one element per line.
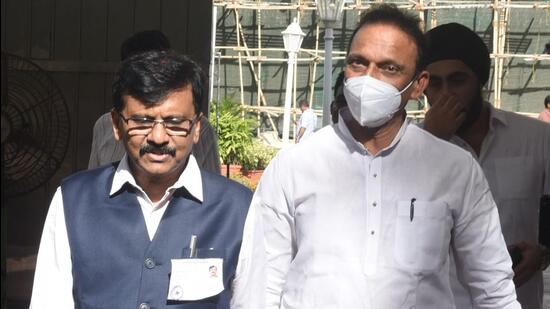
<point x="234" y="132"/>
<point x="256" y="160"/>
<point x="258" y="156"/>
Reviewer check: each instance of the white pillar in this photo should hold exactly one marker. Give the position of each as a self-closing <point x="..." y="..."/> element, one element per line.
<point x="288" y="97"/>
<point x="212" y="58"/>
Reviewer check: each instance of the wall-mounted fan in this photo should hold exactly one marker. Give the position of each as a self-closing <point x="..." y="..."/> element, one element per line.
<point x="35" y="126"/>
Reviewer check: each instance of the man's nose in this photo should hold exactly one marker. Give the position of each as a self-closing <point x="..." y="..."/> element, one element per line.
<point x="446" y="89"/>
<point x="370" y="70"/>
<point x="158" y="134"/>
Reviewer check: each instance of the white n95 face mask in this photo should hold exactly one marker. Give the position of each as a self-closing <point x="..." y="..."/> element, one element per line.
<point x="372" y="102"/>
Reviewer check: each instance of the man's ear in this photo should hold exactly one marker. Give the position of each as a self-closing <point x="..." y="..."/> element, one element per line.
<point x="115" y="121"/>
<point x="420" y="84"/>
<point x="197" y="128"/>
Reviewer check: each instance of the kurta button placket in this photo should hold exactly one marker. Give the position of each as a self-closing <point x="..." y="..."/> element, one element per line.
<point x="373" y="213"/>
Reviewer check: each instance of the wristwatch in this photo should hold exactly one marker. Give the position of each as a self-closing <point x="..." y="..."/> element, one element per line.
<point x="545" y="257"/>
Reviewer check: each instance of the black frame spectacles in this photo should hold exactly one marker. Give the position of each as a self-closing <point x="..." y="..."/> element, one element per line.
<point x="174" y="126"/>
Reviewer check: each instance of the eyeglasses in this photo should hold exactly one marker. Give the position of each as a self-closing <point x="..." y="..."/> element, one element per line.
<point x="138" y="125"/>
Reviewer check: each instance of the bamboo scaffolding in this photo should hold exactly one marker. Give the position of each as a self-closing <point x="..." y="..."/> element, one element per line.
<point x="256" y="76"/>
<point x="405" y="4"/>
<point x="536" y="57"/>
<point x="237" y="26"/>
<point x="257" y="56"/>
<point x="277" y="110"/>
<point x="313" y="71"/>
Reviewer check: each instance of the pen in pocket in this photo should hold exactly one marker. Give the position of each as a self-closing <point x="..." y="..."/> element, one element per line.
<point x="193" y="246"/>
<point x="412" y="208"/>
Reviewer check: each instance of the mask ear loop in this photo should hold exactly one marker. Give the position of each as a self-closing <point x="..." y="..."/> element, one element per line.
<point x="409" y="84"/>
<point x="407" y="87"/>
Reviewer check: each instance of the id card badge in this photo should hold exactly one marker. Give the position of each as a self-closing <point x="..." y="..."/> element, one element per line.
<point x="194" y="279"/>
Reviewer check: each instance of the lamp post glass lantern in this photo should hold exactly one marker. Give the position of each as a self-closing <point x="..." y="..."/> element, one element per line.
<point x="330" y="12"/>
<point x="292" y="38"/>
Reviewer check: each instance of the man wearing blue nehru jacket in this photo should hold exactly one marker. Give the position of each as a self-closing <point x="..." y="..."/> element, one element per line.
<point x="513" y="151"/>
<point x="388" y="204"/>
<point x="145" y="232"/>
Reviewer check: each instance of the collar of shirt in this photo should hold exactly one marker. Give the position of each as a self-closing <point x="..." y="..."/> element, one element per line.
<point x="189" y="179"/>
<point x="496" y="117"/>
<point x="350" y="140"/>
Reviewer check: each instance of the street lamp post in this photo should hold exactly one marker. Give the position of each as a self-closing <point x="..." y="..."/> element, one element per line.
<point x="292" y="38"/>
<point x="330" y="12"/>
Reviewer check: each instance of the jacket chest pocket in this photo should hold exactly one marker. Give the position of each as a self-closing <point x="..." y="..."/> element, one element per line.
<point x="422" y="235"/>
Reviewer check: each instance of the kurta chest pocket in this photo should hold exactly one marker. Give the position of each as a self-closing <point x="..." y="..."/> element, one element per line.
<point x="422" y="235"/>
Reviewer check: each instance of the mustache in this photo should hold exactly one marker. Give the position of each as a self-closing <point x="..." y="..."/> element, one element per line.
<point x="164" y="149"/>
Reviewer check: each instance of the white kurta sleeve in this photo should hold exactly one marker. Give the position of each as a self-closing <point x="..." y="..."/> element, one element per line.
<point x="53" y="280"/>
<point x="267" y="248"/>
<point x="483" y="264"/>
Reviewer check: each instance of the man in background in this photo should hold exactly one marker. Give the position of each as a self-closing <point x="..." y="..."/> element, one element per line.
<point x="545" y="114"/>
<point x="307" y="122"/>
<point x="513" y="150"/>
<point x="105" y="149"/>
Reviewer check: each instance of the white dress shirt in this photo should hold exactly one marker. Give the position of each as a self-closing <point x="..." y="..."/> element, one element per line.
<point x="53" y="281"/>
<point x="308" y="121"/>
<point x="515" y="157"/>
<point x="338" y="231"/>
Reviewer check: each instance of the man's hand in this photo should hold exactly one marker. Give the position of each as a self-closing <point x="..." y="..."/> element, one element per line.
<point x="530" y="262"/>
<point x="445" y="117"/>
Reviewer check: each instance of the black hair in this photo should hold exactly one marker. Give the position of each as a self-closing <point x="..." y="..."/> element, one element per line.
<point x="303" y="103"/>
<point x="149" y="77"/>
<point x="339" y="98"/>
<point x="339" y="84"/>
<point x="405" y="21"/>
<point x="547" y="101"/>
<point x="144" y="41"/>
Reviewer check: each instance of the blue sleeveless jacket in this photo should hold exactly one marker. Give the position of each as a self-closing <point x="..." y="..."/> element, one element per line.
<point x="115" y="265"/>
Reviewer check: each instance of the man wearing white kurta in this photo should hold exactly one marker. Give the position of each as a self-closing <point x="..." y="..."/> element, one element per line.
<point x="513" y="150"/>
<point x="387" y="203"/>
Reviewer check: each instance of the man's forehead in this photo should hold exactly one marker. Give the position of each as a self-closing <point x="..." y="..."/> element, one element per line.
<point x="449" y="67"/>
<point x="385" y="35"/>
<point x="186" y="90"/>
<point x="180" y="99"/>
